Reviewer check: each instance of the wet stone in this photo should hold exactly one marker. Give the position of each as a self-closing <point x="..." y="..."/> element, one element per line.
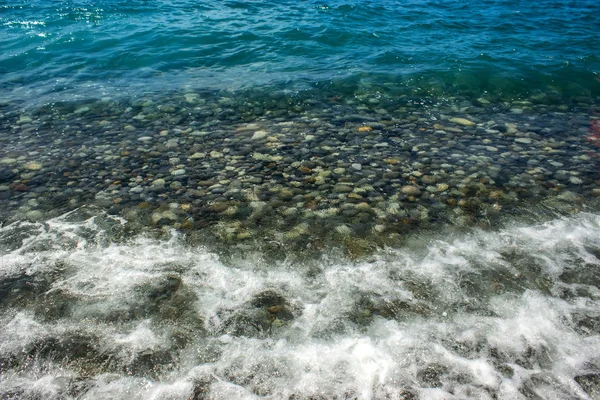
<point x="523" y="140"/>
<point x="259" y="135"/>
<point x="255" y="180"/>
<point x="420" y="158"/>
<point x="462" y="121"/>
<point x="6" y="175"/>
<point x="432" y="375"/>
<point x="33" y="166"/>
<point x="267" y="311"/>
<point x="410" y="190"/>
<point x="340" y="188"/>
<point x="590" y="383"/>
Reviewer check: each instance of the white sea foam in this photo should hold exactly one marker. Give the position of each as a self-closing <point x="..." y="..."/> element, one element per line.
<point x="509" y="315"/>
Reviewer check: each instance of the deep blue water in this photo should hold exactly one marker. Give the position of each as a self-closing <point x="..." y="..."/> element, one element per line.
<point x="83" y="49"/>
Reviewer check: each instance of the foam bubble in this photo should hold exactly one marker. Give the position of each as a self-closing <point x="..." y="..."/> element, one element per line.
<point x="509" y="314"/>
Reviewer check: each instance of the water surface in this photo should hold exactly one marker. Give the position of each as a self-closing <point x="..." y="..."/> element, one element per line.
<point x="299" y="200"/>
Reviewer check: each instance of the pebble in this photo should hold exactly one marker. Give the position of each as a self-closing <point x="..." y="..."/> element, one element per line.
<point x="441" y="187"/>
<point x="33" y="166"/>
<point x="342" y="188"/>
<point x="294" y="166"/>
<point x="81" y="110"/>
<point x="462" y="121"/>
<point x="259" y="135"/>
<point x="575" y="180"/>
<point x="8" y="161"/>
<point x="570" y="197"/>
<point x="343" y="230"/>
<point x="523" y="140"/>
<point x="410" y="190"/>
<point x="428" y="179"/>
<point x="24" y="120"/>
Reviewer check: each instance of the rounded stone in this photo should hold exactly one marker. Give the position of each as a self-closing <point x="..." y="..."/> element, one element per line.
<point x="6" y="175"/>
<point x="523" y="140"/>
<point x="33" y="166"/>
<point x="342" y="188"/>
<point x="428" y="179"/>
<point x="259" y="135"/>
<point x="410" y="190"/>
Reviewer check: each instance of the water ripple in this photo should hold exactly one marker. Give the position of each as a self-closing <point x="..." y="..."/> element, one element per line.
<point x="43" y="41"/>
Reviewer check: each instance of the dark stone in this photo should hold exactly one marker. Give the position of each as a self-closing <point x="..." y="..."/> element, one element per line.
<point x="16" y="283"/>
<point x="590" y="383"/>
<point x="6" y="175"/>
<point x="248" y="323"/>
<point x="165" y="289"/>
<point x="268" y="298"/>
<point x="500" y="127"/>
<point x="149" y="363"/>
<point x="431" y="376"/>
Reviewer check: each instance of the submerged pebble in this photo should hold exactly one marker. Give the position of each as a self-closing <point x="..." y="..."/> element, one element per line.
<point x="374" y="172"/>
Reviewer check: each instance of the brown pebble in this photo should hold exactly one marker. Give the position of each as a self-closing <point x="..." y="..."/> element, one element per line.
<point x="274" y="309"/>
<point x="219" y="207"/>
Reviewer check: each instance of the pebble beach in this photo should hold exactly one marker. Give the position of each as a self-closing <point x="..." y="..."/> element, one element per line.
<point x="301" y="201"/>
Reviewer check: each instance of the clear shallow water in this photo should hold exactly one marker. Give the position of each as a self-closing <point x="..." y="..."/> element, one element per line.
<point x="62" y="50"/>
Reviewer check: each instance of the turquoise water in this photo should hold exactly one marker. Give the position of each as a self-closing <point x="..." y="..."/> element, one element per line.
<point x="67" y="49"/>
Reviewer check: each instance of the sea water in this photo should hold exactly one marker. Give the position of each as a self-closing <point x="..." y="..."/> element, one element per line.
<point x="74" y="49"/>
<point x="299" y="200"/>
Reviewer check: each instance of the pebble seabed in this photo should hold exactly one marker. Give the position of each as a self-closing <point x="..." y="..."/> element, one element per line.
<point x="299" y="170"/>
<point x="293" y="178"/>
